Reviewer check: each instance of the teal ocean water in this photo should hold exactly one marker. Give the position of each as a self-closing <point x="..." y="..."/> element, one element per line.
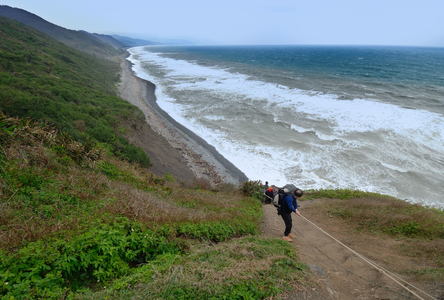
<point x="370" y="118"/>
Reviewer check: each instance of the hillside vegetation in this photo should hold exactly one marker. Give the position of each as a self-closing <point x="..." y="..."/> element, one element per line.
<point x="82" y="217"/>
<point x="44" y="80"/>
<point x="78" y="221"/>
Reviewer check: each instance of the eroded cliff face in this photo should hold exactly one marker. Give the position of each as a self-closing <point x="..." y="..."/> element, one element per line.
<point x="164" y="158"/>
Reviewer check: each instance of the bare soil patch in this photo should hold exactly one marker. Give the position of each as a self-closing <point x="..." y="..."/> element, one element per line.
<point x="341" y="274"/>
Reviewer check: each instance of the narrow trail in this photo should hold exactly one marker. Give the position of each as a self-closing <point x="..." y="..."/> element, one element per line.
<point x="340" y="274"/>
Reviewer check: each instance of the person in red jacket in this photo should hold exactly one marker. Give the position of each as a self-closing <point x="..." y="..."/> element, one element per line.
<point x="269" y="195"/>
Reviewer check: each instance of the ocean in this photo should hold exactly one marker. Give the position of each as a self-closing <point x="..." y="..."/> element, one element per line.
<point x="367" y="118"/>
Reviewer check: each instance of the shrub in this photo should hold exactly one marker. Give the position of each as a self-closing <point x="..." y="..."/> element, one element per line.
<point x="253" y="189"/>
<point x="45" y="269"/>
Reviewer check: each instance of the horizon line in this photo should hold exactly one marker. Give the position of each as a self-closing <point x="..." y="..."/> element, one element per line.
<point x="290" y="44"/>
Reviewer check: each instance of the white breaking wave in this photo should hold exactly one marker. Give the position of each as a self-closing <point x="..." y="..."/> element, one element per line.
<point x="318" y="166"/>
<point x="359" y="115"/>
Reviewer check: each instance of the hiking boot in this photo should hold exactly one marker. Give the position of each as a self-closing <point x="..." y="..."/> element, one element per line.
<point x="287" y="238"/>
<point x="291" y="236"/>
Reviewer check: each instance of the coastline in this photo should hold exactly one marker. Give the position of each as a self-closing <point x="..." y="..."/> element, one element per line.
<point x="204" y="161"/>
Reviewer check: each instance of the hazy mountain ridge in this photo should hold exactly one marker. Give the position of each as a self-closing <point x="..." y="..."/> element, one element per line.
<point x="132" y="42"/>
<point x="96" y="44"/>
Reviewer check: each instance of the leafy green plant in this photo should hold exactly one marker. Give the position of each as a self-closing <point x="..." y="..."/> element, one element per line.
<point x="409" y="229"/>
<point x="215" y="231"/>
<point x="110" y="170"/>
<point x="46" y="269"/>
<point x="229" y="270"/>
<point x="262" y="284"/>
<point x="253" y="189"/>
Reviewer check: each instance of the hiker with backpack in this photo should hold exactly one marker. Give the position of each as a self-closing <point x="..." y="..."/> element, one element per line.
<point x="286" y="203"/>
<point x="269" y="195"/>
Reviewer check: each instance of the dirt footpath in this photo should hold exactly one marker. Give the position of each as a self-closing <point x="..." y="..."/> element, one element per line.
<point x="340" y="274"/>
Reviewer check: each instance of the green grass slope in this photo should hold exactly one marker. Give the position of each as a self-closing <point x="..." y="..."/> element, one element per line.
<point x="78" y="222"/>
<point x="47" y="81"/>
<point x="94" y="44"/>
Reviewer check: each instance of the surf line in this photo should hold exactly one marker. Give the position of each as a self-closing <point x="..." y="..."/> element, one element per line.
<point x="391" y="275"/>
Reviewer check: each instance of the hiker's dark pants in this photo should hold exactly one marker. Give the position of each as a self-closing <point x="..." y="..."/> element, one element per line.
<point x="288" y="222"/>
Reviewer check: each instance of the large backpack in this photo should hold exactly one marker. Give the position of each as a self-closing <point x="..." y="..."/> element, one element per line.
<point x="278" y="198"/>
<point x="290" y="188"/>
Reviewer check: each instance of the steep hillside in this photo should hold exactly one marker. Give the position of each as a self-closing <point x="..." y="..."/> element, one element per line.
<point x="76" y="221"/>
<point x="96" y="44"/>
<point x="47" y="81"/>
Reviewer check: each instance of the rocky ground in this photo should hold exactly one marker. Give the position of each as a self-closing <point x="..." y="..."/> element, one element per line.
<point x="174" y="149"/>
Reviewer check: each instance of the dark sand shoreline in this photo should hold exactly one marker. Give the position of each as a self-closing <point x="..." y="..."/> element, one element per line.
<point x="203" y="159"/>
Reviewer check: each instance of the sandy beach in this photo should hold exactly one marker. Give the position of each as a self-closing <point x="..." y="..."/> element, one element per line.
<point x="173" y="149"/>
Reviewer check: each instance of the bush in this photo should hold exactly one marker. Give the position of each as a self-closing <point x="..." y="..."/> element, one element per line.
<point x="45" y="269"/>
<point x="244" y="268"/>
<point x="253" y="189"/>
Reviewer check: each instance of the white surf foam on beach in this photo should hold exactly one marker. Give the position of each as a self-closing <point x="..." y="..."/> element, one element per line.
<point x="410" y="140"/>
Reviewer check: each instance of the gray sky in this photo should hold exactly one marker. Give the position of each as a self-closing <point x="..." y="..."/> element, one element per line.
<point x="378" y="22"/>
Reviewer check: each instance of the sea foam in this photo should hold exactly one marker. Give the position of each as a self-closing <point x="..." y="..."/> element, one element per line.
<point x="322" y="166"/>
<point x="359" y="115"/>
